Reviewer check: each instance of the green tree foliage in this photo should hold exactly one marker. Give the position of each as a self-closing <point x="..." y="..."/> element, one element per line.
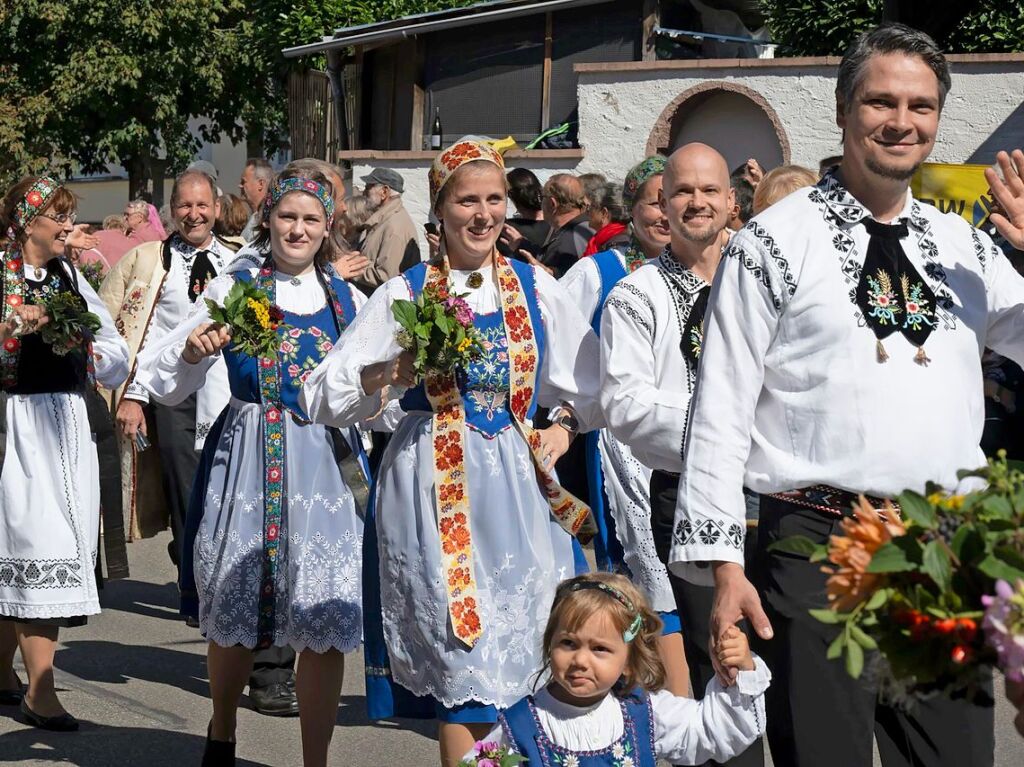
<point x="827" y="27"/>
<point x="84" y="83"/>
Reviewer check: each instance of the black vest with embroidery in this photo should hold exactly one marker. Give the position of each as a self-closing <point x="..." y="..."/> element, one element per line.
<point x="40" y="371"/>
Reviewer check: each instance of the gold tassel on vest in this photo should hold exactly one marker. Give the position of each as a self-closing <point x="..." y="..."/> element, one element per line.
<point x="921" y="358"/>
<point x="883" y="355"/>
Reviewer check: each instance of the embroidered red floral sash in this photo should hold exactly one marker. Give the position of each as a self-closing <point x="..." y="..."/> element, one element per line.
<point x="451" y="487"/>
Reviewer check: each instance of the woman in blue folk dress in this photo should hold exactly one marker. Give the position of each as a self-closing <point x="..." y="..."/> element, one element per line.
<point x="470" y="527"/>
<point x="276" y="542"/>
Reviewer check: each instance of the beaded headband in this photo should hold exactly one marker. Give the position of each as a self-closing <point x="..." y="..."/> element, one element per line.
<point x="298" y="184"/>
<point x="453" y="158"/>
<point x="638" y="621"/>
<point x="32" y="204"/>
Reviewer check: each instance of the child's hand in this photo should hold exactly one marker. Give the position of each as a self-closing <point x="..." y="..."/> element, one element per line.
<point x="733" y="651"/>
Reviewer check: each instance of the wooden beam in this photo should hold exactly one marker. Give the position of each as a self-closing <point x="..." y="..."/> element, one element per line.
<point x="651" y="16"/>
<point x="419" y="98"/>
<point x="545" y="94"/>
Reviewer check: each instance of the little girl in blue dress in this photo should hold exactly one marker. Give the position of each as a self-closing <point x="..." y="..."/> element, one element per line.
<point x="603" y="704"/>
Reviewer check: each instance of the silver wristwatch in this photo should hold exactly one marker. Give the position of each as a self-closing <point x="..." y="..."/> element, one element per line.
<point x="566" y="418"/>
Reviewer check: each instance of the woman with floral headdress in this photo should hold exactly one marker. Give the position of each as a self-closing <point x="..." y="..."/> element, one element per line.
<point x="275" y="523"/>
<point x="470" y="531"/>
<point x="49" y="472"/>
<point x="619" y="483"/>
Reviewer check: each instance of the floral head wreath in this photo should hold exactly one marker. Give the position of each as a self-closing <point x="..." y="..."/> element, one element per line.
<point x="298" y="184"/>
<point x="32" y="204"/>
<point x="639" y="175"/>
<point x="453" y="158"/>
<point x="638" y="621"/>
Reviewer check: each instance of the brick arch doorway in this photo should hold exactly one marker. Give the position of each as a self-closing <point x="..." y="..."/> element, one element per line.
<point x="734" y="119"/>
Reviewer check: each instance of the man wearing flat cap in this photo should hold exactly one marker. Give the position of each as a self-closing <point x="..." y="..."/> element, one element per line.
<point x="390" y="240"/>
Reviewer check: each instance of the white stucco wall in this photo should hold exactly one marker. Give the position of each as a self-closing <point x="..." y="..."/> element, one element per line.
<point x="619" y="108"/>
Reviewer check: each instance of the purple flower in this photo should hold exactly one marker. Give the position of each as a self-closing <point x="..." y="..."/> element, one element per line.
<point x="463" y="314"/>
<point x="1003" y="625"/>
<point x="485" y="748"/>
<point x="487" y="763"/>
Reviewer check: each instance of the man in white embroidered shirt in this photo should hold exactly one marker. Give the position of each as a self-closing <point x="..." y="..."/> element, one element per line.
<point x="812" y="389"/>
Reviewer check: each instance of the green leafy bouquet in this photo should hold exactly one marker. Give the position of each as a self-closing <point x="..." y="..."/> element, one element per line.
<point x="438" y="329"/>
<point x="93" y="273"/>
<point x="71" y="325"/>
<point x="932" y="591"/>
<point x="253" y="320"/>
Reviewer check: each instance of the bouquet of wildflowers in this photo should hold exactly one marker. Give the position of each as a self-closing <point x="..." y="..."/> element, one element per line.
<point x="492" y="755"/>
<point x="253" y="320"/>
<point x="93" y="273"/>
<point x="938" y="591"/>
<point x="438" y="329"/>
<point x="71" y="323"/>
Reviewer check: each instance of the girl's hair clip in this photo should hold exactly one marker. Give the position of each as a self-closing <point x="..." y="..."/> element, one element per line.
<point x="634" y="628"/>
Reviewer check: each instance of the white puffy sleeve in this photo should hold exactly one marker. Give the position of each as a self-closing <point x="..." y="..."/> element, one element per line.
<point x="648" y="417"/>
<point x="571" y="370"/>
<point x="333" y="394"/>
<point x="167" y="377"/>
<point x="716" y="728"/>
<point x="583" y="284"/>
<point x="109" y="351"/>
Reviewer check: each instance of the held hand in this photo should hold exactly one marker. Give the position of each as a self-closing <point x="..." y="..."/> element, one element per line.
<point x="400" y="371"/>
<point x="205" y="341"/>
<point x="81" y="239"/>
<point x="351" y="265"/>
<point x="130" y="418"/>
<point x="733" y="650"/>
<point x="25" y="319"/>
<point x="554" y="441"/>
<point x="735" y="599"/>
<point x="1009" y="194"/>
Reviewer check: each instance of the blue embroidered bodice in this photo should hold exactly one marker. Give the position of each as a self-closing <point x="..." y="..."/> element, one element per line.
<point x="634" y="749"/>
<point x="485" y="383"/>
<point x="304" y="344"/>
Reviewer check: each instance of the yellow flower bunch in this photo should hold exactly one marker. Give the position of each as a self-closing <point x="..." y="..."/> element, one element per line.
<point x="464" y="344"/>
<point x="260" y="311"/>
<point x="946" y="502"/>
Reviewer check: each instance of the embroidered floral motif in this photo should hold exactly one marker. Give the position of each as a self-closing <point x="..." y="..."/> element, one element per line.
<point x="708" y="532"/>
<point x="918" y="312"/>
<point x="882" y="298"/>
<point x="696" y="339"/>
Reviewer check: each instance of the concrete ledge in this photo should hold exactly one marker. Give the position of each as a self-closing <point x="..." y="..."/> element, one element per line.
<point x="794" y="61"/>
<point x="373" y="155"/>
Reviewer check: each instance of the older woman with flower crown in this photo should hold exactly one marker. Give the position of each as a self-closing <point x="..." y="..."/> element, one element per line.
<point x="275" y="518"/>
<point x="471" y="531"/>
<point x="49" y="470"/>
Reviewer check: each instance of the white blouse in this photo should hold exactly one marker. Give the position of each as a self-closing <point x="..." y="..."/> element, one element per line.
<point x="791" y="392"/>
<point x="334" y="394"/>
<point x="171" y="379"/>
<point x="646" y="380"/>
<point x="686" y="731"/>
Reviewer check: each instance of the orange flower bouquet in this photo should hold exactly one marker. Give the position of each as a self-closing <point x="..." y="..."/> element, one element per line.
<point x="928" y="587"/>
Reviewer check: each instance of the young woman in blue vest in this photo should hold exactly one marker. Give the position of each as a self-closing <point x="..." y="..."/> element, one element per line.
<point x="276" y="545"/>
<point x="603" y="702"/>
<point x="470" y="531"/>
<point x="619" y="483"/>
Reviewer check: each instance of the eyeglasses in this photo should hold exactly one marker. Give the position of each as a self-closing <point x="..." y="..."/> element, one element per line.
<point x="61" y="218"/>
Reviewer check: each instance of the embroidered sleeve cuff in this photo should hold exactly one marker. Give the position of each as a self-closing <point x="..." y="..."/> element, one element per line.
<point x="136" y="392"/>
<point x="698" y="543"/>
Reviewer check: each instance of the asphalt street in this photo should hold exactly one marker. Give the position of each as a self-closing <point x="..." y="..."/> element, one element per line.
<point x="136" y="678"/>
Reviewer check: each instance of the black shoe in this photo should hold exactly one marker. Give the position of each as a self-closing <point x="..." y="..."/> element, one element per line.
<point x="275" y="699"/>
<point x="12" y="697"/>
<point x="63" y="723"/>
<point x="218" y="753"/>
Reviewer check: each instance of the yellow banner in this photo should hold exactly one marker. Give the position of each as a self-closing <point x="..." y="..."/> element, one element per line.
<point x="960" y="189"/>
